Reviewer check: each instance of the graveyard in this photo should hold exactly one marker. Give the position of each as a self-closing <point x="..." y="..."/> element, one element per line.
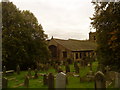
<point x="33" y="59"/>
<point x="74" y="79"/>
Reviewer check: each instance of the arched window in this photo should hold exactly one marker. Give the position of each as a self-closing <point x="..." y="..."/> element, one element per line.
<point x="53" y="50"/>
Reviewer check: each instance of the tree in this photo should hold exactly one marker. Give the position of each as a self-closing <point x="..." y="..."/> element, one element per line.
<point x="106" y="21"/>
<point x="23" y="39"/>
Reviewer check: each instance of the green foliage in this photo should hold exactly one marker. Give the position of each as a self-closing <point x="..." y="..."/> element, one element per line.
<point x="106" y="21"/>
<point x="23" y="39"/>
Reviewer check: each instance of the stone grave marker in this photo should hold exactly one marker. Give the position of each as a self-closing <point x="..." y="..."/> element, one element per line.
<point x="36" y="74"/>
<point x="29" y="72"/>
<point x="50" y="81"/>
<point x="77" y="70"/>
<point x="100" y="82"/>
<point x="107" y="68"/>
<point x="61" y="80"/>
<point x="4" y="71"/>
<point x="117" y="80"/>
<point x="4" y="82"/>
<point x="26" y="81"/>
<point x="67" y="67"/>
<point x="45" y="80"/>
<point x="18" y="69"/>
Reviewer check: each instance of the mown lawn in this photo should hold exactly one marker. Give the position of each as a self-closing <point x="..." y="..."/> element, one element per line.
<point x="16" y="81"/>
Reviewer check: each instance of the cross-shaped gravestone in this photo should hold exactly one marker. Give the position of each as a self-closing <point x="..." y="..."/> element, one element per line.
<point x="4" y="70"/>
<point x="107" y="68"/>
<point x="18" y="69"/>
<point x="61" y="80"/>
<point x="100" y="81"/>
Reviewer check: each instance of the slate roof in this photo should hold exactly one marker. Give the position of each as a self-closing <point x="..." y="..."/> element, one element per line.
<point x="77" y="45"/>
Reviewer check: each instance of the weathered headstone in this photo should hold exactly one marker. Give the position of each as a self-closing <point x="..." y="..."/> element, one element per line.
<point x="61" y="80"/>
<point x="117" y="80"/>
<point x="26" y="81"/>
<point x="4" y="70"/>
<point x="50" y="81"/>
<point x="36" y="74"/>
<point x="100" y="82"/>
<point x="67" y="68"/>
<point x="18" y="69"/>
<point x="29" y="72"/>
<point x="4" y="82"/>
<point x="45" y="80"/>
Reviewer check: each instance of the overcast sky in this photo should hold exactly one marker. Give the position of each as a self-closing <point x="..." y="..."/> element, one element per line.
<point x="62" y="19"/>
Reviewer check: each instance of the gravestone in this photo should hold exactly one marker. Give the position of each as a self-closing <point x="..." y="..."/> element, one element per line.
<point x="45" y="80"/>
<point x="61" y="80"/>
<point x="50" y="81"/>
<point x="75" y="64"/>
<point x="100" y="82"/>
<point x="67" y="68"/>
<point x="4" y="71"/>
<point x="117" y="80"/>
<point x="29" y="72"/>
<point x="18" y="69"/>
<point x="77" y="70"/>
<point x="4" y="82"/>
<point x="26" y="81"/>
<point x="36" y="74"/>
<point x="107" y="68"/>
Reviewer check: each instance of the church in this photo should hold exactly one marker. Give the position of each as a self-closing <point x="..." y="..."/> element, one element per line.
<point x="76" y="50"/>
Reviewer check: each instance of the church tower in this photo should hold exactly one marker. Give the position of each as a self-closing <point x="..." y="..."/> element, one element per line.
<point x="92" y="36"/>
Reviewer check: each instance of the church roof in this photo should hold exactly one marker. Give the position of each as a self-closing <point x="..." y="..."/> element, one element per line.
<point x="77" y="45"/>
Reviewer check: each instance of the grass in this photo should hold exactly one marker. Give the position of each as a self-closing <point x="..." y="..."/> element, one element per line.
<point x="73" y="82"/>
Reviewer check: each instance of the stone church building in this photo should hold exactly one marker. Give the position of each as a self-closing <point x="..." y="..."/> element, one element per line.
<point x="72" y="49"/>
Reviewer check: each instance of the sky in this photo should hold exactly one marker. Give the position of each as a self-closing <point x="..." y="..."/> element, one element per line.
<point x="63" y="19"/>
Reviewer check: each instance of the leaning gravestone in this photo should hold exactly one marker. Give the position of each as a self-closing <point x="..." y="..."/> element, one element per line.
<point x="61" y="80"/>
<point x="4" y="71"/>
<point x="100" y="82"/>
<point x="26" y="81"/>
<point x="36" y="74"/>
<point x="45" y="80"/>
<point x="117" y="80"/>
<point x="4" y="82"/>
<point x="18" y="69"/>
<point x="50" y="81"/>
<point x="29" y="72"/>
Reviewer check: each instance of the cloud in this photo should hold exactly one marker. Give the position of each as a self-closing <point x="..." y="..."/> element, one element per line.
<point x="61" y="18"/>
